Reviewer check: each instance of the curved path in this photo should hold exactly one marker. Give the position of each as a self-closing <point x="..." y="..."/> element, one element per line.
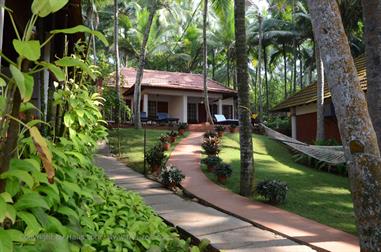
<point x="187" y="155"/>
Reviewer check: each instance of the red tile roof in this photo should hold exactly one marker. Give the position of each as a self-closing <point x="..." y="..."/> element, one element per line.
<point x="171" y="80"/>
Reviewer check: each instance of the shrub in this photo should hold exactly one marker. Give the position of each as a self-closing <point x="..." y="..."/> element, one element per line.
<point x="211" y="146"/>
<point x="274" y="191"/>
<point x="171" y="176"/>
<point x="156" y="155"/>
<point x="172" y="133"/>
<point x="327" y="142"/>
<point x="219" y="128"/>
<point x="164" y="139"/>
<point x="211" y="134"/>
<point x="233" y="126"/>
<point x="223" y="170"/>
<point x="182" y="126"/>
<point x="211" y="160"/>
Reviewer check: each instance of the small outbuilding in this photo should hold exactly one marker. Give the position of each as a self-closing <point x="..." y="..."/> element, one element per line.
<point x="302" y="108"/>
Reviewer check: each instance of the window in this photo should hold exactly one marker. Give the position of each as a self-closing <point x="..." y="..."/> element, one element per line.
<point x="213" y="109"/>
<point x="227" y="111"/>
<point x="192" y="112"/>
<point x="152" y="109"/>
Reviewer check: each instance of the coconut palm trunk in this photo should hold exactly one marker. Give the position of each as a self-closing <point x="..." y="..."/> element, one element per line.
<point x="117" y="67"/>
<point x="246" y="142"/>
<point x="372" y="32"/>
<point x="2" y="3"/>
<point x="285" y="70"/>
<point x="140" y="70"/>
<point x="320" y="96"/>
<point x="357" y="133"/>
<point x="205" y="61"/>
<point x="259" y="69"/>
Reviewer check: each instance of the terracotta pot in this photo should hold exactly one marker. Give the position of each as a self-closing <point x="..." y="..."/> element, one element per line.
<point x="220" y="133"/>
<point x="233" y="130"/>
<point x="181" y="132"/>
<point x="172" y="139"/>
<point x="155" y="169"/>
<point x="166" y="146"/>
<point x="222" y="179"/>
<point x="211" y="168"/>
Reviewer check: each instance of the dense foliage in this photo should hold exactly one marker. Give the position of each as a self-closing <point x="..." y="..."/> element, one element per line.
<point x="53" y="198"/>
<point x="274" y="191"/>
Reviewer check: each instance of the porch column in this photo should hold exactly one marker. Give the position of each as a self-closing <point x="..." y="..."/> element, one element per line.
<point x="145" y="104"/>
<point x="219" y="111"/>
<point x="293" y="123"/>
<point x="184" y="117"/>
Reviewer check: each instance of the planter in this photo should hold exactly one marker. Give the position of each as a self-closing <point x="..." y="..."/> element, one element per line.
<point x="211" y="168"/>
<point x="155" y="169"/>
<point x="220" y="133"/>
<point x="172" y="139"/>
<point x="166" y="146"/>
<point x="233" y="130"/>
<point x="181" y="132"/>
<point x="222" y="179"/>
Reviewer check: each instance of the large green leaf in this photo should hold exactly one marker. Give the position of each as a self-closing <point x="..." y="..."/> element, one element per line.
<point x="82" y="28"/>
<point x="3" y="105"/>
<point x="33" y="227"/>
<point x="42" y="8"/>
<point x="30" y="165"/>
<point x="21" y="175"/>
<point x="19" y="78"/>
<point x="31" y="200"/>
<point x="2" y="82"/>
<point x="29" y="83"/>
<point x="28" y="49"/>
<point x="75" y="62"/>
<point x="5" y="241"/>
<point x="60" y="75"/>
<point x="10" y="213"/>
<point x="3" y="209"/>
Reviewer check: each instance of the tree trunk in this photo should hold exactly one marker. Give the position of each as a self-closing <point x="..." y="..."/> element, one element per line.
<point x="320" y="135"/>
<point x="140" y="70"/>
<point x="300" y="69"/>
<point x="357" y="133"/>
<point x="266" y="79"/>
<point x="205" y="60"/>
<point x="259" y="75"/>
<point x="294" y="47"/>
<point x="213" y="64"/>
<point x="372" y="37"/>
<point x="228" y="66"/>
<point x="246" y="142"/>
<point x="117" y="59"/>
<point x="2" y="3"/>
<point x="285" y="70"/>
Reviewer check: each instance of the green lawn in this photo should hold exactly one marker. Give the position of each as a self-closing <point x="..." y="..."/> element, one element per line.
<point x="319" y="196"/>
<point x="132" y="145"/>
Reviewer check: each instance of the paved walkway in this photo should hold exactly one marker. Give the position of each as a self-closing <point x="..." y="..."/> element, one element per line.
<point x="199" y="221"/>
<point x="186" y="157"/>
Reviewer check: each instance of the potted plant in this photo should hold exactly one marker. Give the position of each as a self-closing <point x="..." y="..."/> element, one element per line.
<point x="155" y="158"/>
<point x="181" y="128"/>
<point x="223" y="171"/>
<point x="164" y="140"/>
<point x="220" y="130"/>
<point x="210" y="133"/>
<point x="172" y="136"/>
<point x="211" y="146"/>
<point x="212" y="162"/>
<point x="171" y="176"/>
<point x="233" y="128"/>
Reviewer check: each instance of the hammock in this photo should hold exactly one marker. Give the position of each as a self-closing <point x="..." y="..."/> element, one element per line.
<point x="333" y="155"/>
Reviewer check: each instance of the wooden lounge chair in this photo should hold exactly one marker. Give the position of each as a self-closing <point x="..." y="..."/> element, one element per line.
<point x="221" y="119"/>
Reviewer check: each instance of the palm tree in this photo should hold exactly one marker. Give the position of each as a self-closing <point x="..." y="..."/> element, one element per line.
<point x="357" y="133"/>
<point x="2" y="3"/>
<point x="320" y="135"/>
<point x="246" y="144"/>
<point x="372" y="37"/>
<point x="205" y="62"/>
<point x="117" y="66"/>
<point x="140" y="70"/>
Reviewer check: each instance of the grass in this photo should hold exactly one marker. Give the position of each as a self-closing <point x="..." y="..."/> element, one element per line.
<point x="316" y="195"/>
<point x="132" y="145"/>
